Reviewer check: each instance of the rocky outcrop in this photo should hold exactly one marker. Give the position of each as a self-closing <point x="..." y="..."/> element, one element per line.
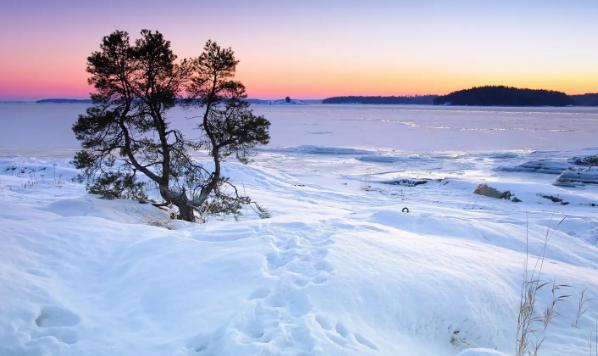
<point x="587" y="161"/>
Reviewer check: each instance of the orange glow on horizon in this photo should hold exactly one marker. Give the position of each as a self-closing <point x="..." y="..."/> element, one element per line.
<point x="314" y="50"/>
<point x="314" y="83"/>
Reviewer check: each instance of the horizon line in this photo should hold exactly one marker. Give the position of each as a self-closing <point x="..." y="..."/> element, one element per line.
<point x="33" y="100"/>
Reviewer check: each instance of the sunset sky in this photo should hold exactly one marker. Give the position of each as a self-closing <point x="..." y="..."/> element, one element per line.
<point x="315" y="49"/>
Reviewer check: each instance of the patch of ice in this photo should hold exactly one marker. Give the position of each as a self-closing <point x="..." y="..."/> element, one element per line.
<point x="546" y="166"/>
<point x="578" y="176"/>
<point x="319" y="150"/>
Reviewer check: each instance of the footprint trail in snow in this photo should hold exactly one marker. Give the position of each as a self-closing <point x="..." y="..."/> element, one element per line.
<point x="280" y="316"/>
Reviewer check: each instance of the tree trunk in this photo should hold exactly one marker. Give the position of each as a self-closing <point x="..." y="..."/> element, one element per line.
<point x="185" y="212"/>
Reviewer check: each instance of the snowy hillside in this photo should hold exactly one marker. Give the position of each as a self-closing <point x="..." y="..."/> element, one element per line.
<point x="338" y="269"/>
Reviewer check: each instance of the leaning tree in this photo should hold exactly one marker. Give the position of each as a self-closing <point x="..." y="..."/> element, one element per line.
<point x="129" y="143"/>
<point x="229" y="126"/>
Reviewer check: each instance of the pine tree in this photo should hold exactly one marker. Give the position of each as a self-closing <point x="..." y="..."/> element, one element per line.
<point x="126" y="133"/>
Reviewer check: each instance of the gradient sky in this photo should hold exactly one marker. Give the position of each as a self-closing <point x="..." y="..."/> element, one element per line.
<point x="315" y="49"/>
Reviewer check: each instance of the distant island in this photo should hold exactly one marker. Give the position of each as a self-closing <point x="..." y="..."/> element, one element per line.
<point x="585" y="99"/>
<point x="505" y="96"/>
<point x="479" y="96"/>
<point x="510" y="96"/>
<point x="418" y="99"/>
<point x="64" y="101"/>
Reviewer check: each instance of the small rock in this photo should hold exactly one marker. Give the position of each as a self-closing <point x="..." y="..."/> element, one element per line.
<point x="555" y="199"/>
<point x="488" y="191"/>
<point x="407" y="182"/>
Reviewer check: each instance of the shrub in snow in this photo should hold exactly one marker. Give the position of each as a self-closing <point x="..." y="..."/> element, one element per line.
<point x="126" y="133"/>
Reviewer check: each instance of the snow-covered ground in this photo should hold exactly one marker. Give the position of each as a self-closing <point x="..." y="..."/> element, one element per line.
<point x="338" y="268"/>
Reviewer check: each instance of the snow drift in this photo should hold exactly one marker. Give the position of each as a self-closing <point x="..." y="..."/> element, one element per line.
<point x="337" y="270"/>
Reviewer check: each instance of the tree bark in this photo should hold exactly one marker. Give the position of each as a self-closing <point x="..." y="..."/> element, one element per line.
<point x="186" y="209"/>
<point x="186" y="212"/>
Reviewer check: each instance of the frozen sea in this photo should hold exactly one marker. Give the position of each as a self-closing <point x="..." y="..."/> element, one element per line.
<point x="30" y="127"/>
<point x="339" y="268"/>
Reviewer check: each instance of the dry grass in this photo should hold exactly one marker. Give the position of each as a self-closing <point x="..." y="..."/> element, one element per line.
<point x="531" y="322"/>
<point x="582" y="307"/>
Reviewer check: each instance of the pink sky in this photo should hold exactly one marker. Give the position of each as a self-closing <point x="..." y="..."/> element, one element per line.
<point x="315" y="49"/>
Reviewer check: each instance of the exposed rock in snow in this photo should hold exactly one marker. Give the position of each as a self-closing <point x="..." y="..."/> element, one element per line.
<point x="554" y="199"/>
<point x="488" y="191"/>
<point x="589" y="161"/>
<point x="578" y="176"/>
<point x="554" y="163"/>
<point x="406" y="182"/>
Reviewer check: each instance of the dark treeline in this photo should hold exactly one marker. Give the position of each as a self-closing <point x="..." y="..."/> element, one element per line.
<point x="585" y="99"/>
<point x="64" y="101"/>
<point x="422" y="100"/>
<point x="505" y="96"/>
<point x="479" y="96"/>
